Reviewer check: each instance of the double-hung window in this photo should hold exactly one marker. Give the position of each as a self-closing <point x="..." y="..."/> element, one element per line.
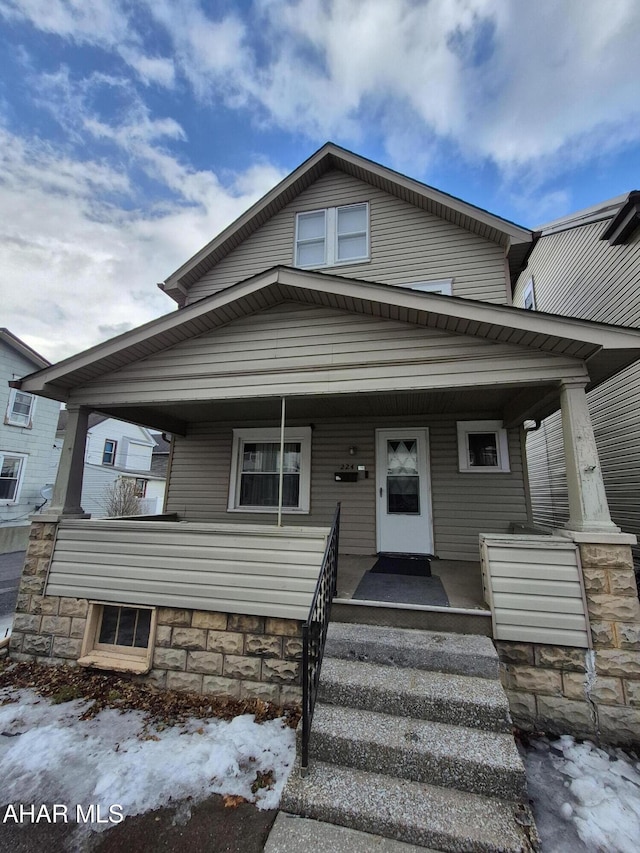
<point x="336" y="235"/>
<point x="109" y="452"/>
<point x="11" y="473"/>
<point x="20" y="408"/>
<point x="482" y="447"/>
<point x="255" y="470"/>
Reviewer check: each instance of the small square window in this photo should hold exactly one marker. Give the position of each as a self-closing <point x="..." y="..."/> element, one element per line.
<point x="20" y="409"/>
<point x="109" y="452"/>
<point x="119" y="637"/>
<point x="482" y="447"/>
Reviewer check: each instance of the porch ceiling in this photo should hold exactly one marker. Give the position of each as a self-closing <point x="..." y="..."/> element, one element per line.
<point x="508" y="404"/>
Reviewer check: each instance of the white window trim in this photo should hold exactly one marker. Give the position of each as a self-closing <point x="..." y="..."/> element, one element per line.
<point x="118" y="658"/>
<point x="442" y="286"/>
<point x="331" y="237"/>
<point x="467" y="428"/>
<point x="23" y="464"/>
<point x="115" y="452"/>
<point x="301" y="434"/>
<point x="10" y="418"/>
<point x="529" y="291"/>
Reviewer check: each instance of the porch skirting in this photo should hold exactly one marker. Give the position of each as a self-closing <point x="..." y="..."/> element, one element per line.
<point x="224" y="654"/>
<point x="593" y="694"/>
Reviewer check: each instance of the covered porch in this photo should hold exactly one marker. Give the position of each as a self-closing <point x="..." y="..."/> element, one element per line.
<point x="293" y="391"/>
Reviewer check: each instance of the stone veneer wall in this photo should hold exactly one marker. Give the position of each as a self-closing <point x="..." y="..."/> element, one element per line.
<point x="560" y="689"/>
<point x="226" y="654"/>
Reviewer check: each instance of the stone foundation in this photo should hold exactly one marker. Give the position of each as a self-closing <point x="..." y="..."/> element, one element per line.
<point x="225" y="654"/>
<point x="589" y="694"/>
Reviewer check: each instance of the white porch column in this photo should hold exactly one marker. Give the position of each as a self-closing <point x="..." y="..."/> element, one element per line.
<point x="68" y="488"/>
<point x="588" y="506"/>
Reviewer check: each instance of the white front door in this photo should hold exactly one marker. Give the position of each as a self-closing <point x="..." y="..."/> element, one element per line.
<point x="403" y="491"/>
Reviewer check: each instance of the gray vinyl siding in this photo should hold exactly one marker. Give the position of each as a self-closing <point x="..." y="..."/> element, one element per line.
<point x="534" y="588"/>
<point x="407" y="244"/>
<point x="577" y="274"/>
<point x="464" y="505"/>
<point x="234" y="570"/>
<point x="293" y="349"/>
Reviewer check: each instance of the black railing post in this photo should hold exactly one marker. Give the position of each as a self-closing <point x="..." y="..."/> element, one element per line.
<point x="314" y="634"/>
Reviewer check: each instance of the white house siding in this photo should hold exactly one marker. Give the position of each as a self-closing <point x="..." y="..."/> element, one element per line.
<point x="578" y="274"/>
<point x="407" y="244"/>
<point x="464" y="505"/>
<point x="35" y="443"/>
<point x="134" y="444"/>
<point x="296" y="349"/>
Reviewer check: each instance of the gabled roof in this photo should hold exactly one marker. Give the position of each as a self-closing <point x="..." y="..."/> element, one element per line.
<point x="24" y="349"/>
<point x="606" y="348"/>
<point x="330" y="156"/>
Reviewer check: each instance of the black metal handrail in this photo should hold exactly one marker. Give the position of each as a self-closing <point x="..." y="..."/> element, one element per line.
<point x="314" y="634"/>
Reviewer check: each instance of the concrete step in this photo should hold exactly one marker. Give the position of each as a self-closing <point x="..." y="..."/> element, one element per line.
<point x="443" y="697"/>
<point x="413" y="812"/>
<point x="291" y="834"/>
<point x="463" y="654"/>
<point x="435" y="753"/>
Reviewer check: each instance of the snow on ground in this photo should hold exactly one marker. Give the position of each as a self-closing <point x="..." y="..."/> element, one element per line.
<point x="584" y="798"/>
<point x="57" y="758"/>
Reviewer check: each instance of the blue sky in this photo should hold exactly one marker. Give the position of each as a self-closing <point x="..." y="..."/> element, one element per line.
<point x="133" y="131"/>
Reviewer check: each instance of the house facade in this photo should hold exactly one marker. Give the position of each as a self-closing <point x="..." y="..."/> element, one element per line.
<point x="349" y="340"/>
<point x="27" y="430"/>
<point x="588" y="265"/>
<point x="116" y="451"/>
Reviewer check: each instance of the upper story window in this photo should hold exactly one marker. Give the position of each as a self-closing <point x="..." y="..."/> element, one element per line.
<point x="20" y="409"/>
<point x="441" y="286"/>
<point x="11" y="474"/>
<point x="109" y="452"/>
<point x="336" y="235"/>
<point x="529" y="297"/>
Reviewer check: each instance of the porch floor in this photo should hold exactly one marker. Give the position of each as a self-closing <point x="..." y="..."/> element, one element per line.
<point x="462" y="579"/>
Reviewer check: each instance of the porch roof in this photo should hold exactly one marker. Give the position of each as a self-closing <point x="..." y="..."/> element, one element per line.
<point x="606" y="349"/>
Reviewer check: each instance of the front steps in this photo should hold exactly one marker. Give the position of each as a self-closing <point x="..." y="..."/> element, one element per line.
<point x="411" y="740"/>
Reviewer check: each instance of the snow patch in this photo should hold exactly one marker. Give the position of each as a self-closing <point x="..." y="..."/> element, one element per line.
<point x="584" y="798"/>
<point x="57" y="758"/>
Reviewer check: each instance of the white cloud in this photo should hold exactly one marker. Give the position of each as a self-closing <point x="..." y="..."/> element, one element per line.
<point x="516" y="83"/>
<point x="76" y="266"/>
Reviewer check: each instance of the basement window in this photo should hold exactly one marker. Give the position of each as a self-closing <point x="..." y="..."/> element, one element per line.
<point x="119" y="637"/>
<point x="482" y="447"/>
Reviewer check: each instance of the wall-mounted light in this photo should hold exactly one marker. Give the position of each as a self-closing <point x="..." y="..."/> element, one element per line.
<point x="353" y="450"/>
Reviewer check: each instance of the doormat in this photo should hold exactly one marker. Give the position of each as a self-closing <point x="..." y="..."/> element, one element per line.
<point x="396" y="564"/>
<point x="402" y="589"/>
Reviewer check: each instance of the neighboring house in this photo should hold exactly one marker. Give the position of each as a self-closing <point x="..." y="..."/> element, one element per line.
<point x="27" y="429"/>
<point x="349" y="339"/>
<point x="587" y="265"/>
<point x="115" y="451"/>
